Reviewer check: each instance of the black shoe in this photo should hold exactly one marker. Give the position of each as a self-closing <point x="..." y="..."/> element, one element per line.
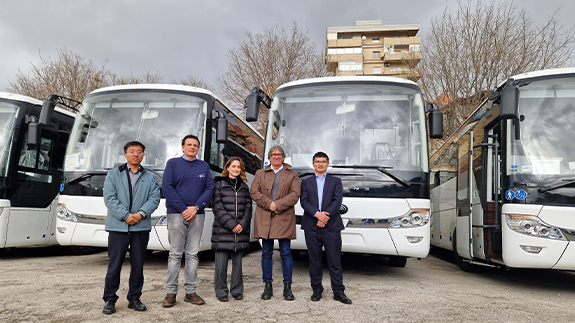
<point x="315" y="297"/>
<point x="109" y="308"/>
<point x="223" y="299"/>
<point x="137" y="305"/>
<point x="239" y="297"/>
<point x="288" y="295"/>
<point x="342" y="298"/>
<point x="268" y="291"/>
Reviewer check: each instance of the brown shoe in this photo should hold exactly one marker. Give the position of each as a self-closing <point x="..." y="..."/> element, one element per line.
<point x="169" y="301"/>
<point x="194" y="299"/>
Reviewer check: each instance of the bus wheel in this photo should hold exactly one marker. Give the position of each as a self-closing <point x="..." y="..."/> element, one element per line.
<point x="397" y="261"/>
<point x="464" y="265"/>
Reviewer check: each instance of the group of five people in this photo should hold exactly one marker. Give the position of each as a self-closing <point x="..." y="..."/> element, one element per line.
<point x="131" y="194"/>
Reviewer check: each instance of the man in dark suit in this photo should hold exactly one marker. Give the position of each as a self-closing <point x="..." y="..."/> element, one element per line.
<point x="321" y="197"/>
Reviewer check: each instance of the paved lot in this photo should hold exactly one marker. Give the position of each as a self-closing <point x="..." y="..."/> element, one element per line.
<point x="53" y="285"/>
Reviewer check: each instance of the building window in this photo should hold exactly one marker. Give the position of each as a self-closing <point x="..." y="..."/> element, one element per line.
<point x="377" y="70"/>
<point x="375" y="40"/>
<point x="350" y="66"/>
<point x="344" y="35"/>
<point x="376" y="54"/>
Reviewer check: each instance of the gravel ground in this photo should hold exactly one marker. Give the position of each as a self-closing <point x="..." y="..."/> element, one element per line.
<point x="54" y="285"/>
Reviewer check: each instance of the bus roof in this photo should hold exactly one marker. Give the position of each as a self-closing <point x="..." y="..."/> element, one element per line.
<point x="334" y="79"/>
<point x="21" y="98"/>
<point x="541" y="73"/>
<point x="169" y="87"/>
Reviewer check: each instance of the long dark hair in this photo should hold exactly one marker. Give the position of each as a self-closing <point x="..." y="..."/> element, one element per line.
<point x="243" y="176"/>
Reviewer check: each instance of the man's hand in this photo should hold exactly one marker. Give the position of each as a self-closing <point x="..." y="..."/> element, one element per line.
<point x="238" y="228"/>
<point x="320" y="224"/>
<point x="322" y="217"/>
<point x="273" y="207"/>
<point x="190" y="213"/>
<point x="133" y="218"/>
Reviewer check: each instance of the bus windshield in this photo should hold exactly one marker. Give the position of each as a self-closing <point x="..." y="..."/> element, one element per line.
<point x="157" y="118"/>
<point x="543" y="144"/>
<point x="8" y="114"/>
<point x="355" y="123"/>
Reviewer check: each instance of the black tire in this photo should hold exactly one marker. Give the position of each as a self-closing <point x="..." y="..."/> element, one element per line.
<point x="397" y="261"/>
<point x="464" y="265"/>
<point x="295" y="254"/>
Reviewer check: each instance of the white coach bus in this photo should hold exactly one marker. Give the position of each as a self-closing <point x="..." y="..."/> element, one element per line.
<point x="159" y="116"/>
<point x="503" y="185"/>
<point x="32" y="147"/>
<point x="374" y="131"/>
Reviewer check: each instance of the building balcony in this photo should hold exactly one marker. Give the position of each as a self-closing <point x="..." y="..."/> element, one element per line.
<point x="401" y="41"/>
<point x="401" y="56"/>
<point x="337" y="43"/>
<point x="344" y="58"/>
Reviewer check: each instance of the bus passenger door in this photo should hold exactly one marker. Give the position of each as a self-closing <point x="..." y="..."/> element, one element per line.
<point x="464" y="195"/>
<point x="35" y="185"/>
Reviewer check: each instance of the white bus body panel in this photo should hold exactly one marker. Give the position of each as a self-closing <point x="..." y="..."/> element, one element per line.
<point x="552" y="250"/>
<point x="95" y="235"/>
<point x="27" y="227"/>
<point x="443" y="216"/>
<point x="377" y="240"/>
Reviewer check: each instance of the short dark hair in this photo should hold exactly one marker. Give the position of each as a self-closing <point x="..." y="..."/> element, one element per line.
<point x="133" y="143"/>
<point x="188" y="137"/>
<point x="320" y="154"/>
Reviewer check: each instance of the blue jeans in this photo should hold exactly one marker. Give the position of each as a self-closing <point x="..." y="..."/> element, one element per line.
<point x="184" y="237"/>
<point x="267" y="260"/>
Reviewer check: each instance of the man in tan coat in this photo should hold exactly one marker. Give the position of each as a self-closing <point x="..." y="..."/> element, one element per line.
<point x="276" y="189"/>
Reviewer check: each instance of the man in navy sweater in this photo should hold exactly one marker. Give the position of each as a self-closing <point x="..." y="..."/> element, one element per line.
<point x="188" y="187"/>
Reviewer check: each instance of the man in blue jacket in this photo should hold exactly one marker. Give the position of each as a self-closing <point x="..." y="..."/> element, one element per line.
<point x="131" y="194"/>
<point x="321" y="198"/>
<point x="188" y="187"/>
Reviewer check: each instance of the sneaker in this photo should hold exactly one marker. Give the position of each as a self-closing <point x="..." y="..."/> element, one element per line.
<point x="194" y="299"/>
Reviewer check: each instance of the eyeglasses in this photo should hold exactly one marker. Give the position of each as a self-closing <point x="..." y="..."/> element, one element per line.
<point x="135" y="152"/>
<point x="277" y="155"/>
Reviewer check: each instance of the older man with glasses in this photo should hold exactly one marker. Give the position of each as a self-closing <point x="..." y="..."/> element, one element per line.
<point x="276" y="189"/>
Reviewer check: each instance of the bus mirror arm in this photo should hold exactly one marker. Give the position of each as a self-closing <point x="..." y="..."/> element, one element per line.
<point x="253" y="102"/>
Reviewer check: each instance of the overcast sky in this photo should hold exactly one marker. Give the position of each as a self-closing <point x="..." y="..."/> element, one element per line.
<point x="183" y="38"/>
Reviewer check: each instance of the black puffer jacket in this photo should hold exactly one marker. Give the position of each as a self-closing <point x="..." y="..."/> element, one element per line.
<point x="231" y="206"/>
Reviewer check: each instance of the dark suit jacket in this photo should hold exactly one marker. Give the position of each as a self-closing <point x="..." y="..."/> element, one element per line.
<point x="331" y="202"/>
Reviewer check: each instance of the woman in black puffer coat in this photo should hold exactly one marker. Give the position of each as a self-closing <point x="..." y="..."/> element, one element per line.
<point x="232" y="207"/>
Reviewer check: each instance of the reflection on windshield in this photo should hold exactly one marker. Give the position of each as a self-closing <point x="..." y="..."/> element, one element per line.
<point x="7" y="122"/>
<point x="157" y="119"/>
<point x="355" y="124"/>
<point x="546" y="145"/>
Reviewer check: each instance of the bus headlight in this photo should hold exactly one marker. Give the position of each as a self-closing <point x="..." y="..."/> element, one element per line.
<point x="533" y="226"/>
<point x="63" y="213"/>
<point x="415" y="218"/>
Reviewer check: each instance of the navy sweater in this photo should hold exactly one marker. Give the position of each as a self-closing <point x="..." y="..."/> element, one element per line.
<point x="187" y="183"/>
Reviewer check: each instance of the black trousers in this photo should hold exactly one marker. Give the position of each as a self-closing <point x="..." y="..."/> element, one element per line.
<point x="221" y="273"/>
<point x="118" y="243"/>
<point x="331" y="241"/>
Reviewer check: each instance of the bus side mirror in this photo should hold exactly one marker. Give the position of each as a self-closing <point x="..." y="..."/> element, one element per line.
<point x="221" y="129"/>
<point x="34" y="126"/>
<point x="509" y="100"/>
<point x="435" y="121"/>
<point x="253" y="105"/>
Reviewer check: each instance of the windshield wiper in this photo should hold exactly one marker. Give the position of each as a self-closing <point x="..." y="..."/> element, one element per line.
<point x="87" y="174"/>
<point x="383" y="169"/>
<point x="566" y="182"/>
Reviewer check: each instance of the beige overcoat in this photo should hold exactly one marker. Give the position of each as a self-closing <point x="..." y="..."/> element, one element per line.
<point x="282" y="224"/>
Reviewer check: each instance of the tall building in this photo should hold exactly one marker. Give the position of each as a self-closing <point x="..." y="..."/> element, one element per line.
<point x="371" y="48"/>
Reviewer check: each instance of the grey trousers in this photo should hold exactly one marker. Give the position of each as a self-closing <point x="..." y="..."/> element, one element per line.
<point x="221" y="273"/>
<point x="184" y="238"/>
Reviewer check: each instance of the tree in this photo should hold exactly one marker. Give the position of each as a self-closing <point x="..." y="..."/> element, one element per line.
<point x="70" y="75"/>
<point x="471" y="50"/>
<point x="195" y="81"/>
<point x="267" y="60"/>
